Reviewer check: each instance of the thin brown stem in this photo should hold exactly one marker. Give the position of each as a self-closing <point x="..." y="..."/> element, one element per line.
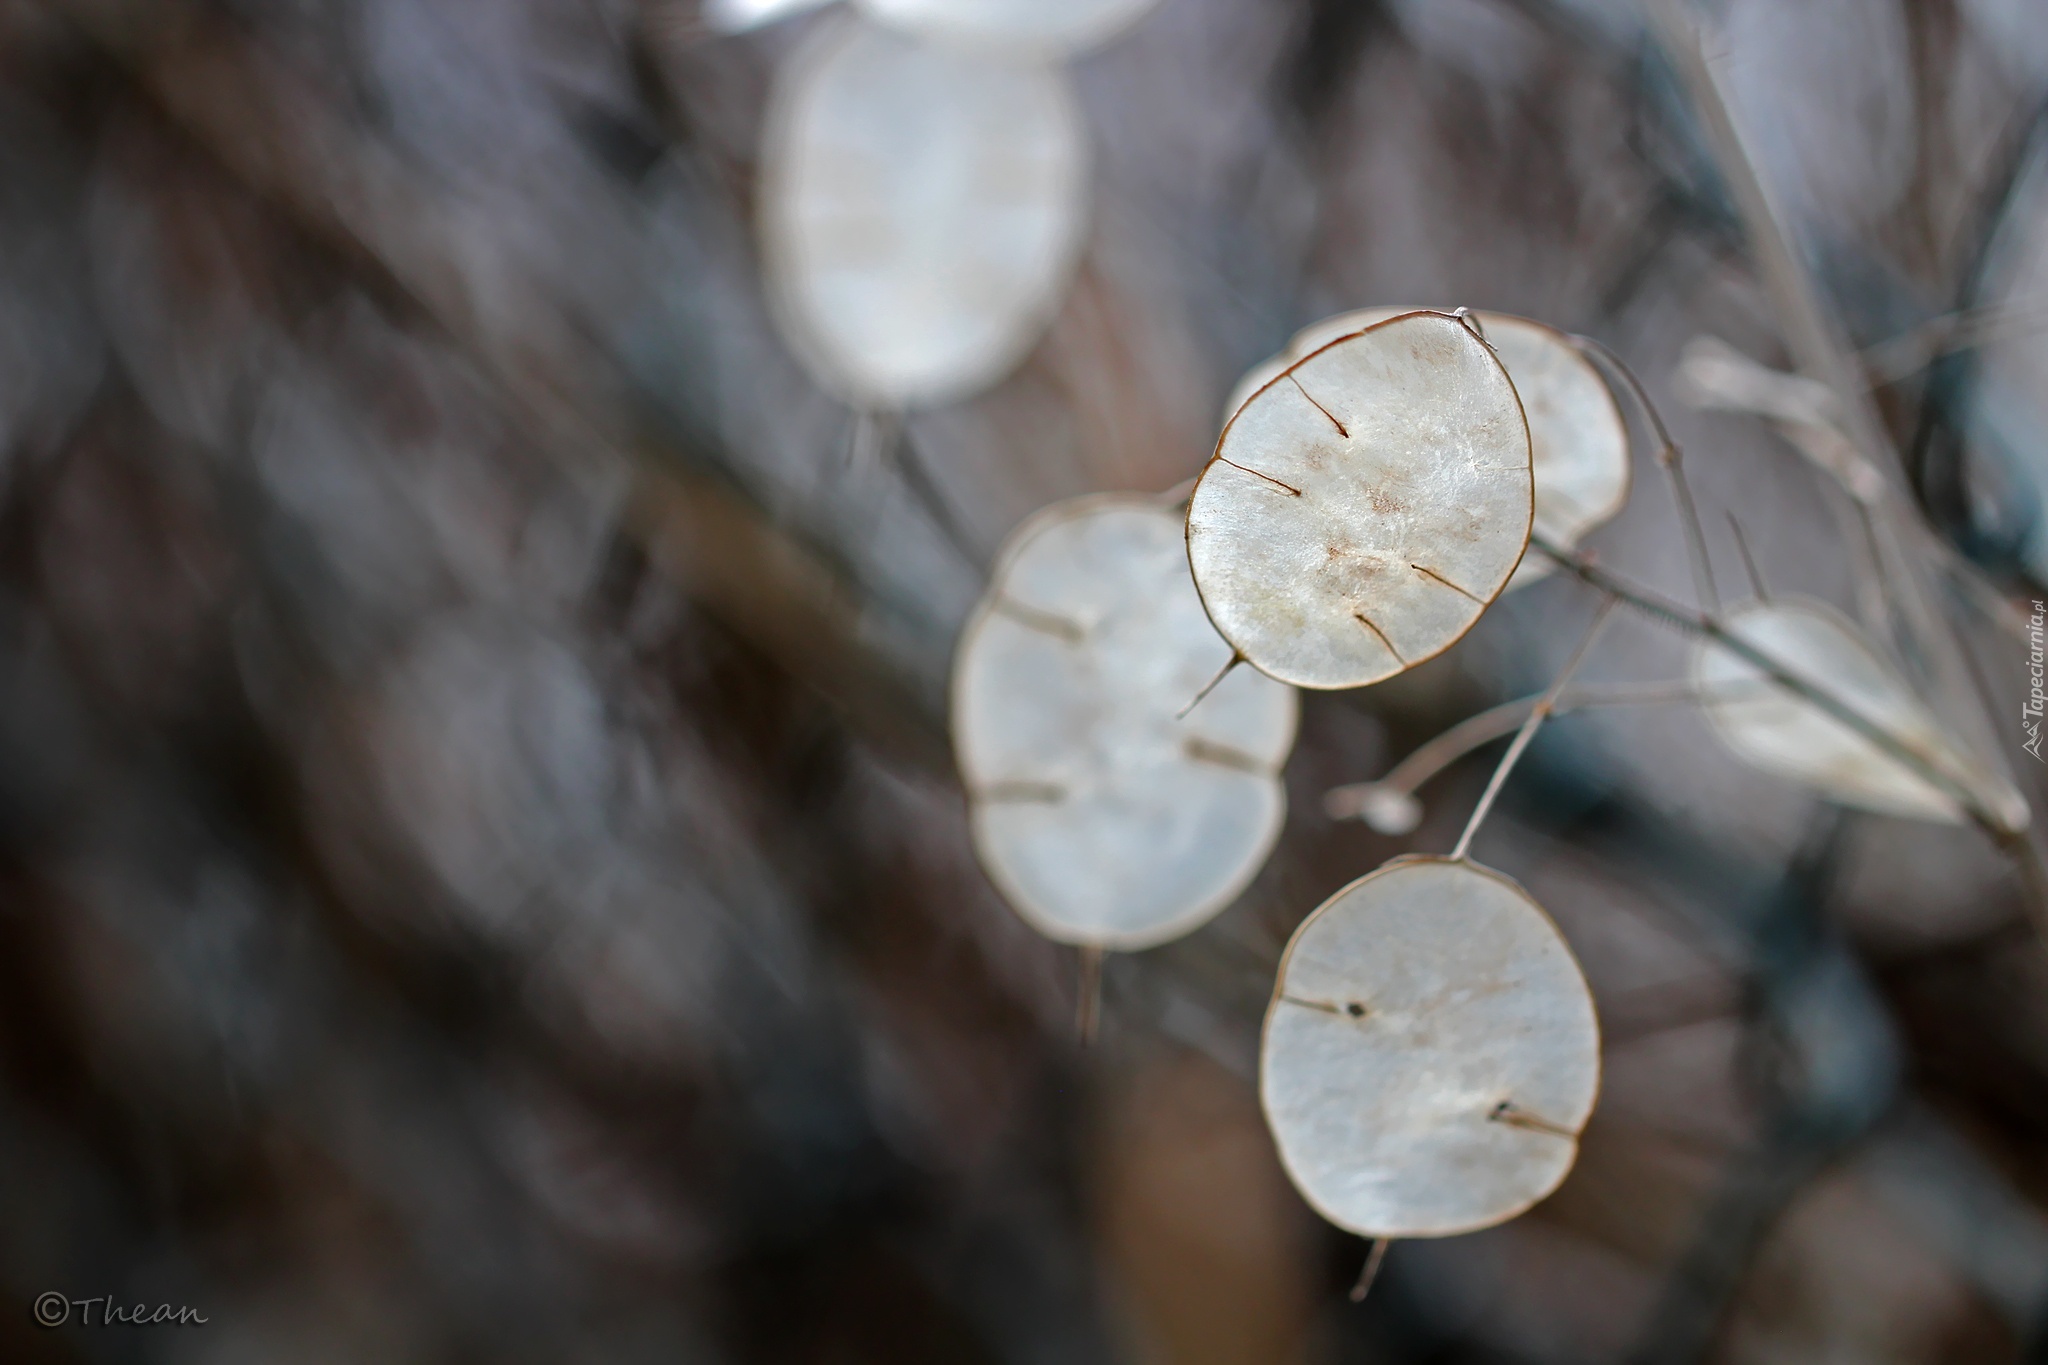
<point x="1088" y="1001"/>
<point x="1756" y="578"/>
<point x="1371" y="1269"/>
<point x="1660" y="608"/>
<point x="1537" y="715"/>
<point x="1477" y="731"/>
<point x="1671" y="460"/>
<point x="1210" y="686"/>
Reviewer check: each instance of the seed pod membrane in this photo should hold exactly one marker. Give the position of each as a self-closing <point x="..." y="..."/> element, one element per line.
<point x="1774" y="728"/>
<point x="1043" y="28"/>
<point x="1102" y="815"/>
<point x="1578" y="440"/>
<point x="922" y="208"/>
<point x="1364" y="508"/>
<point x="737" y="16"/>
<point x="1431" y="1053"/>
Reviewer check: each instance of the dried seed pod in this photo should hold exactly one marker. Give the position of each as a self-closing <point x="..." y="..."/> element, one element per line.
<point x="1772" y="727"/>
<point x="1364" y="507"/>
<point x="1043" y="28"/>
<point x="1431" y="1053"/>
<point x="1577" y="438"/>
<point x="737" y="16"/>
<point x="922" y="208"/>
<point x="1103" y="814"/>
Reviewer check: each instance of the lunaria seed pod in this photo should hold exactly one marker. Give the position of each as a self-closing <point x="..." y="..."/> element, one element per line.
<point x="738" y="16"/>
<point x="1431" y="1053"/>
<point x="1365" y="506"/>
<point x="922" y="209"/>
<point x="1774" y="728"/>
<point x="1040" y="28"/>
<point x="1106" y="809"/>
<point x="1578" y="440"/>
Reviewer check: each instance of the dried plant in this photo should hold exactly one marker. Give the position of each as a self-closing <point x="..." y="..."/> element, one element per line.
<point x="483" y="874"/>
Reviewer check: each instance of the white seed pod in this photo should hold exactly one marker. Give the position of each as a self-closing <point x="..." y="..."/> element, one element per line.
<point x="1578" y="440"/>
<point x="1363" y="508"/>
<point x="1103" y="815"/>
<point x="737" y="16"/>
<point x="922" y="209"/>
<point x="1768" y="725"/>
<point x="1431" y="1053"/>
<point x="1044" y="28"/>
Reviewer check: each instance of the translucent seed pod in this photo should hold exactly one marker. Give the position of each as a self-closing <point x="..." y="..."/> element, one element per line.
<point x="1106" y="809"/>
<point x="1365" y="506"/>
<point x="738" y="16"/>
<point x="1043" y="28"/>
<point x="1774" y="728"/>
<point x="1578" y="440"/>
<point x="922" y="209"/>
<point x="1431" y="1053"/>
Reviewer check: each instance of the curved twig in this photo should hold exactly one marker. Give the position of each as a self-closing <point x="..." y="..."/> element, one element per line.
<point x="1538" y="713"/>
<point x="1477" y="731"/>
<point x="1660" y="608"/>
<point x="1671" y="460"/>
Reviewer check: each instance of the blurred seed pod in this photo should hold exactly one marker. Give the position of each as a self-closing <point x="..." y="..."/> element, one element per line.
<point x="737" y="16"/>
<point x="922" y="209"/>
<point x="1768" y="725"/>
<point x="1106" y="809"/>
<point x="1040" y="27"/>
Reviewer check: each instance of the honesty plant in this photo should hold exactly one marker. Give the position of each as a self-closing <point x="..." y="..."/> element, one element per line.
<point x="1431" y="1053"/>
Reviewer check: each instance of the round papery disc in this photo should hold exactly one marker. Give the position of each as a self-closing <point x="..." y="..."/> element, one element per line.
<point x="1781" y="732"/>
<point x="1102" y="816"/>
<point x="1431" y="1053"/>
<point x="922" y="208"/>
<point x="1038" y="27"/>
<point x="1577" y="439"/>
<point x="1364" y="507"/>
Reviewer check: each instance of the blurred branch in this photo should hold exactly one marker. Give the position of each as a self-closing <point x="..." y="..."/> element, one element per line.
<point x="1829" y="1073"/>
<point x="1820" y="352"/>
<point x="277" y="135"/>
<point x="1996" y="824"/>
<point x="1357" y="799"/>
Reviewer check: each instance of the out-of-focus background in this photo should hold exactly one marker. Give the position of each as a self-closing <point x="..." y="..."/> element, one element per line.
<point x="481" y="872"/>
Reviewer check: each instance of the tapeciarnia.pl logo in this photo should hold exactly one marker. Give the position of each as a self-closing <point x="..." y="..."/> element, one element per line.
<point x="2037" y="695"/>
